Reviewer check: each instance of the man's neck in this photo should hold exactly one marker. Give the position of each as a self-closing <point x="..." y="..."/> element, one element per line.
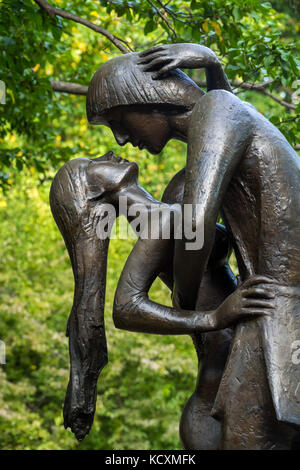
<point x="179" y="125"/>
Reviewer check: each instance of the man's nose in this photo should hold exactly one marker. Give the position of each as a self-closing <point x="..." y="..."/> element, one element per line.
<point x="121" y="137"/>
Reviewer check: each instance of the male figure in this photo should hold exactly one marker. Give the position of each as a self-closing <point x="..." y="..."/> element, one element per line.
<point x="239" y="164"/>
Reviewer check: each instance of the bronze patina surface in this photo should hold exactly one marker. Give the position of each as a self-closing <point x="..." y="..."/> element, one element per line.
<point x="238" y="165"/>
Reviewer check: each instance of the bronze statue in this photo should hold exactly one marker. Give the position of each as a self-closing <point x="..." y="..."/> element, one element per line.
<point x="239" y="165"/>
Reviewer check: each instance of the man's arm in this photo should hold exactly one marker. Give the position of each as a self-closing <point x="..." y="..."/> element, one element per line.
<point x="134" y="311"/>
<point x="162" y="59"/>
<point x="216" y="78"/>
<point x="219" y="134"/>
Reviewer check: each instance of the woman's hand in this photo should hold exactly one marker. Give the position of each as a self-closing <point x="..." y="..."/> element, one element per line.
<point x="255" y="297"/>
<point x="162" y="59"/>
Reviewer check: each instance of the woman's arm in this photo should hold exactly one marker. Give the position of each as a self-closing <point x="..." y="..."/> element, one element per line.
<point x="134" y="311"/>
<point x="162" y="59"/>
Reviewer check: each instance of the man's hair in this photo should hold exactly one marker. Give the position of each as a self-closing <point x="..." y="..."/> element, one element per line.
<point x="120" y="81"/>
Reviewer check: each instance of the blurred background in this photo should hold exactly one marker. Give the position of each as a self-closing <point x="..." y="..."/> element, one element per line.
<point x="44" y="59"/>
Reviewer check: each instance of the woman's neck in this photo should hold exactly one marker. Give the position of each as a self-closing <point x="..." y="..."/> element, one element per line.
<point x="135" y="201"/>
<point x="135" y="194"/>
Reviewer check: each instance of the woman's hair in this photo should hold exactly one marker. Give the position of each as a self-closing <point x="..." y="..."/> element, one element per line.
<point x="120" y="81"/>
<point x="74" y="214"/>
<point x="68" y="198"/>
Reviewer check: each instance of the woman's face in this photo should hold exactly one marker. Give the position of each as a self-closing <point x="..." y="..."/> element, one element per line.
<point x="111" y="174"/>
<point x="143" y="126"/>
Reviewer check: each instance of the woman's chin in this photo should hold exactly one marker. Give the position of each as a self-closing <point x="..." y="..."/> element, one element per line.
<point x="133" y="171"/>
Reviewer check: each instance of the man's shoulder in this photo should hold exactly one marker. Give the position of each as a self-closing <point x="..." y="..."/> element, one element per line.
<point x="221" y="96"/>
<point x="221" y="102"/>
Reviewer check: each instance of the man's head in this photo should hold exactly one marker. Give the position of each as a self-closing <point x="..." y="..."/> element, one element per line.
<point x="137" y="108"/>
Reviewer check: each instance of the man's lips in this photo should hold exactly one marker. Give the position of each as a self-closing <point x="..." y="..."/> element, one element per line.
<point x="138" y="144"/>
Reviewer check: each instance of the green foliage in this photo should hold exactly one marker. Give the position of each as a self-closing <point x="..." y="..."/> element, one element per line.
<point x="254" y="41"/>
<point x="147" y="381"/>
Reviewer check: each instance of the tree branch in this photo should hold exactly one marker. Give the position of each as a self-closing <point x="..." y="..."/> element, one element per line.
<point x="69" y="87"/>
<point x="294" y="118"/>
<point x="163" y="18"/>
<point x="76" y="89"/>
<point x="259" y="88"/>
<point x="53" y="11"/>
<point x="250" y="85"/>
<point x="278" y="100"/>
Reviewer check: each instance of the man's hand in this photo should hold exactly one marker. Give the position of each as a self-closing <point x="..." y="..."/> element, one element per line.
<point x="162" y="59"/>
<point x="255" y="297"/>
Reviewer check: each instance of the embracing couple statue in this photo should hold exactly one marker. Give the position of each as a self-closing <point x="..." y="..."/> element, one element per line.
<point x="239" y="166"/>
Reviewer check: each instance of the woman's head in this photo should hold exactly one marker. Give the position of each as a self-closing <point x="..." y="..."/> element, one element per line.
<point x="106" y="178"/>
<point x="77" y="195"/>
<point x="137" y="108"/>
<point x="82" y="182"/>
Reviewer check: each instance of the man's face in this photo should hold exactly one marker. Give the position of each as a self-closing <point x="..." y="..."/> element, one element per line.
<point x="143" y="126"/>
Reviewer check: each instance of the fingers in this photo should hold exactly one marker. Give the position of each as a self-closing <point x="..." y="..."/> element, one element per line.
<point x="163" y="71"/>
<point x="154" y="64"/>
<point x="258" y="303"/>
<point x="250" y="313"/>
<point x="150" y="57"/>
<point x="258" y="279"/>
<point x="155" y="60"/>
<point x="151" y="50"/>
<point x="261" y="292"/>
